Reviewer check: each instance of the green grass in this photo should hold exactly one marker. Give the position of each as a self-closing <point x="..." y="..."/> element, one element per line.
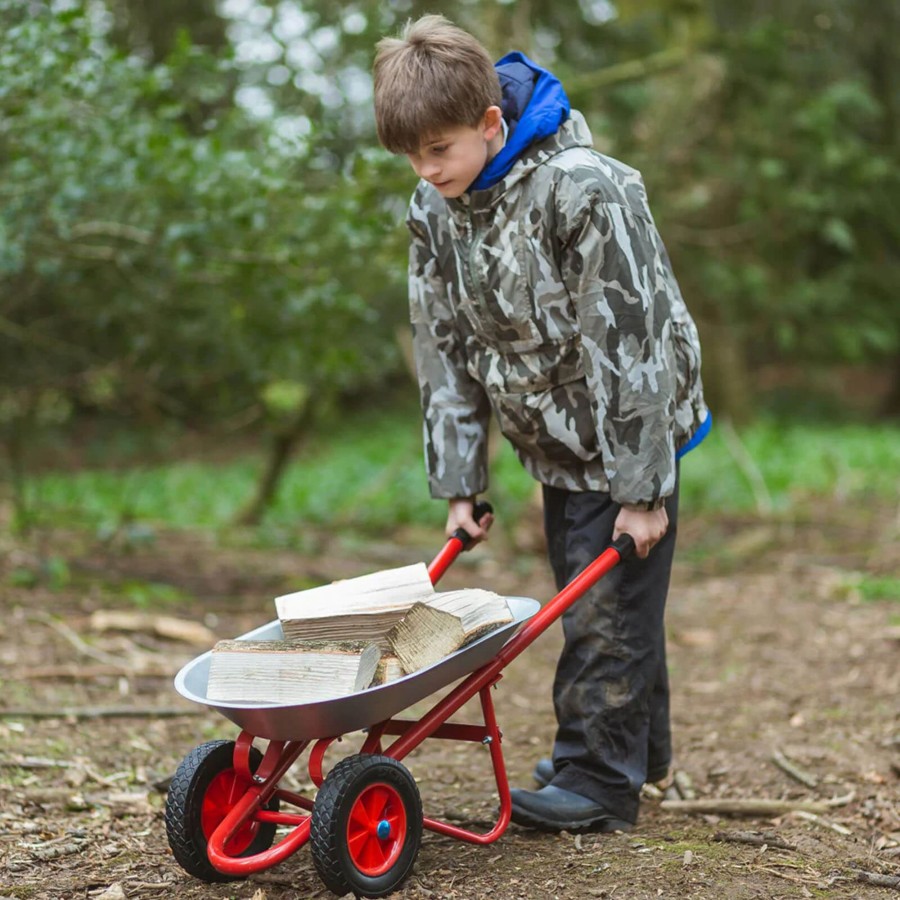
<point x="875" y="588"/>
<point x="368" y="473"/>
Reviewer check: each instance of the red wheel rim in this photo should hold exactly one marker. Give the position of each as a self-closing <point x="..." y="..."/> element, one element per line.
<point x="376" y="829"/>
<point x="223" y="792"/>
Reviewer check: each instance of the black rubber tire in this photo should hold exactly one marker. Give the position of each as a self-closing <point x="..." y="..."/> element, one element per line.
<point x="184" y="805"/>
<point x="328" y="829"/>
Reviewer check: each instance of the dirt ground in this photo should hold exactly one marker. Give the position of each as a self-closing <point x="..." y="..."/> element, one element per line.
<point x="775" y="648"/>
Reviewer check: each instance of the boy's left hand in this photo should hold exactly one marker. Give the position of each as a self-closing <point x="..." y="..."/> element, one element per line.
<point x="461" y="514"/>
<point x="647" y="527"/>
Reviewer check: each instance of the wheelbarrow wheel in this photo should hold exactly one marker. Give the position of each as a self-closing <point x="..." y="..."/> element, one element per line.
<point x="366" y="826"/>
<point x="203" y="791"/>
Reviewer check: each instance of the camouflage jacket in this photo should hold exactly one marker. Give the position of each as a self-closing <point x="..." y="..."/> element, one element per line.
<point x="549" y="299"/>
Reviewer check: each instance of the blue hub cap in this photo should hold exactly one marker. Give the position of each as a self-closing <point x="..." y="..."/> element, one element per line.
<point x="384" y="829"/>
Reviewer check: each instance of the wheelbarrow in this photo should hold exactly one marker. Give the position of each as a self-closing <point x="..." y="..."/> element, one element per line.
<point x="365" y="824"/>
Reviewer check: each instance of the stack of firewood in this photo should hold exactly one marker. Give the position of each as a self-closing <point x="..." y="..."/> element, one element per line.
<point x="350" y="635"/>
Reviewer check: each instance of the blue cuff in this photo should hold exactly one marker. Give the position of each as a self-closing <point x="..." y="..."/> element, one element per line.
<point x="697" y="437"/>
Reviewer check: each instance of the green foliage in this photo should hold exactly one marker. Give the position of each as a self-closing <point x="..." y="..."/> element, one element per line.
<point x="874" y="588"/>
<point x="154" y="264"/>
<point x="767" y="136"/>
<point x="367" y="473"/>
<point x="174" y="248"/>
<point x="53" y="572"/>
<point x="771" y="160"/>
<point x="150" y="595"/>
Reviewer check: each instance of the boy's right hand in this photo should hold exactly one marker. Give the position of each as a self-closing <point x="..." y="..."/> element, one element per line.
<point x="460" y="515"/>
<point x="646" y="527"/>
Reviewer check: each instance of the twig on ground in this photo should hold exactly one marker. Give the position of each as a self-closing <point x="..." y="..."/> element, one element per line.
<point x="797" y="879"/>
<point x="101" y="712"/>
<point x="824" y="823"/>
<point x="792" y="769"/>
<point x="743" y="807"/>
<point x="888" y="881"/>
<point x="35" y="762"/>
<point x="75" y="640"/>
<point x="169" y="627"/>
<point x="81" y="673"/>
<point x="754" y="838"/>
<point x="57" y="850"/>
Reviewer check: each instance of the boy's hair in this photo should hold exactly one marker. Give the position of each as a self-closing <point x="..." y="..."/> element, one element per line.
<point x="433" y="76"/>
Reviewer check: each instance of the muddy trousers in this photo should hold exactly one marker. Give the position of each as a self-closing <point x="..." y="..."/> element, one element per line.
<point x="611" y="691"/>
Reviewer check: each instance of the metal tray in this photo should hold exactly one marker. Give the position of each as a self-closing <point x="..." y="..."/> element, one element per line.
<point x="331" y="718"/>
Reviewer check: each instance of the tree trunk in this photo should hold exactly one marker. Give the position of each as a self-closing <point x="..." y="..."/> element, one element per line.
<point x="726" y="380"/>
<point x="15" y="442"/>
<point x="151" y="29"/>
<point x="281" y="447"/>
<point x="891" y="406"/>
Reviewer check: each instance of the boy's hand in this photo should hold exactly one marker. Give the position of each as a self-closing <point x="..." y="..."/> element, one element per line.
<point x="647" y="527"/>
<point x="460" y="516"/>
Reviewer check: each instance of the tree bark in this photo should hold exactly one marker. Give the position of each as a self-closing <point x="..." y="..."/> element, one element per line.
<point x="281" y="448"/>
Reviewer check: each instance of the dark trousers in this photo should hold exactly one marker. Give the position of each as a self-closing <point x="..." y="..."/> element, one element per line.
<point x="611" y="691"/>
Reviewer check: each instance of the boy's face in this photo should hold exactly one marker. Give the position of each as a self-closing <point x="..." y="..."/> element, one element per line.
<point x="453" y="158"/>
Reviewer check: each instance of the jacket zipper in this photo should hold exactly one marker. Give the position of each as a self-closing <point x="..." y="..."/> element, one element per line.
<point x="473" y="268"/>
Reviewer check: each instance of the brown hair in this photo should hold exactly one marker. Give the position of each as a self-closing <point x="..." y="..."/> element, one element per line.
<point x="433" y="76"/>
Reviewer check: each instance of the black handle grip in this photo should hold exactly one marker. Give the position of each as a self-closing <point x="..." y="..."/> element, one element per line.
<point x="624" y="544"/>
<point x="479" y="511"/>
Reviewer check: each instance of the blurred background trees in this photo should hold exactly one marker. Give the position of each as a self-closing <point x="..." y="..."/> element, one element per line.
<point x="197" y="225"/>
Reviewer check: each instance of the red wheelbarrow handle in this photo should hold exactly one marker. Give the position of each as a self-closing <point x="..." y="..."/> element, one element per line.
<point x="459" y="541"/>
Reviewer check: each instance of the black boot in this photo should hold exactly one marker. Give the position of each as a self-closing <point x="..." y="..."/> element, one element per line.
<point x="553" y="809"/>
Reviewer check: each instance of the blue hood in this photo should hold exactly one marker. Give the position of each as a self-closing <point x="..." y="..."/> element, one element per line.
<point x="534" y="106"/>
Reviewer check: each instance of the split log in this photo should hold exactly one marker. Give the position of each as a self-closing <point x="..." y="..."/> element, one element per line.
<point x="344" y="637"/>
<point x="290" y="672"/>
<point x="368" y="607"/>
<point x="424" y="636"/>
<point x="444" y="623"/>
<point x="361" y="609"/>
<point x="479" y="611"/>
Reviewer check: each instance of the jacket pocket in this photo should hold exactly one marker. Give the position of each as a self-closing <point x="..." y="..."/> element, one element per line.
<point x="553" y="425"/>
<point x="506" y="370"/>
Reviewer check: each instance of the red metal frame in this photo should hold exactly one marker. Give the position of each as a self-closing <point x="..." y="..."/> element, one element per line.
<point x="281" y="755"/>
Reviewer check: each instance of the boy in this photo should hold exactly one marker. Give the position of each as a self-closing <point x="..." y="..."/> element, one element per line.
<point x="541" y="292"/>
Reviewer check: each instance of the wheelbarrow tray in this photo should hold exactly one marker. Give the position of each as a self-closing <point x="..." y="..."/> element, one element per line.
<point x="342" y="715"/>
